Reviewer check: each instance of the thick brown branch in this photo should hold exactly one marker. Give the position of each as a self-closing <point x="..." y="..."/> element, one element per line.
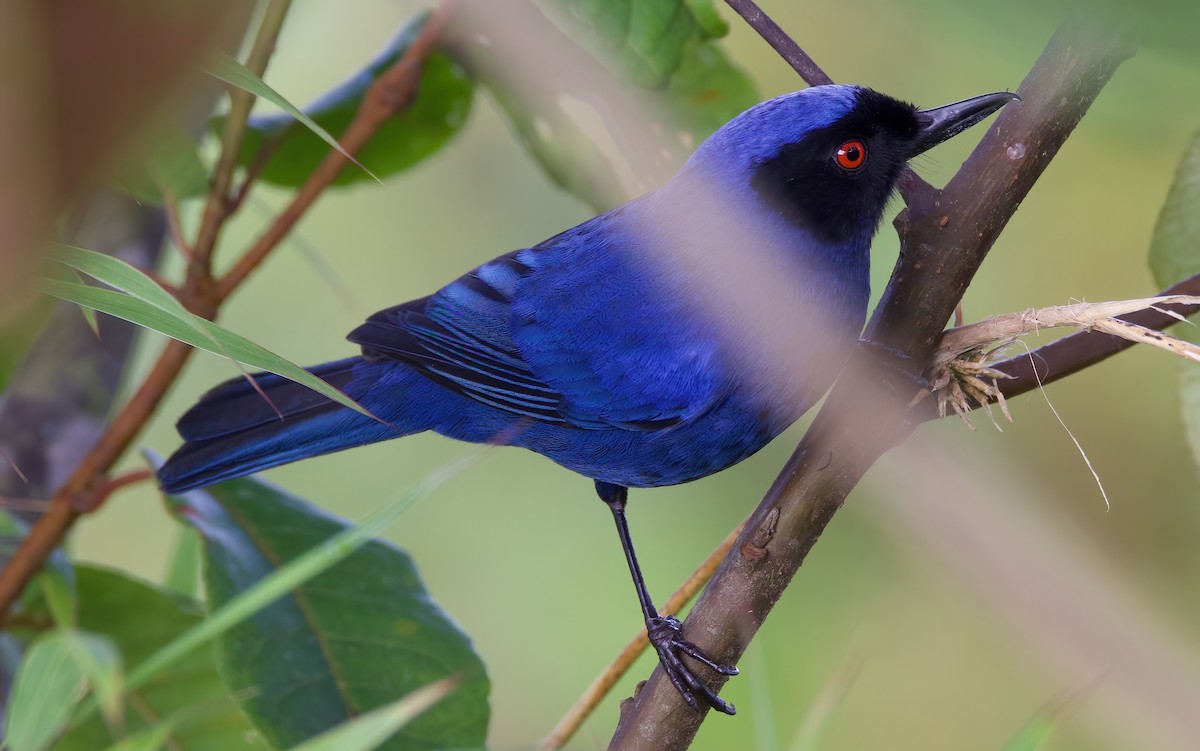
<point x="944" y="239"/>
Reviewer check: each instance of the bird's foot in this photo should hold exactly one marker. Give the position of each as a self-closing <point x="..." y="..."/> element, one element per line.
<point x="665" y="633"/>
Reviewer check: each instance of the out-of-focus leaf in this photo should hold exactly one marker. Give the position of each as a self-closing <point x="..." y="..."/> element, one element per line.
<point x="232" y="72"/>
<point x="1174" y="256"/>
<point x="646" y="40"/>
<point x="146" y="739"/>
<point x="368" y="731"/>
<point x="598" y="140"/>
<point x="193" y="330"/>
<point x="171" y="161"/>
<point x="140" y="619"/>
<point x="52" y="599"/>
<point x="357" y="636"/>
<point x="705" y="93"/>
<point x="57" y="669"/>
<point x="1175" y="248"/>
<point x="49" y="683"/>
<point x="183" y="572"/>
<point x="440" y="108"/>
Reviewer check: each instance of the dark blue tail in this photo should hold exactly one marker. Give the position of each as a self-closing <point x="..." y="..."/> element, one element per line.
<point x="233" y="431"/>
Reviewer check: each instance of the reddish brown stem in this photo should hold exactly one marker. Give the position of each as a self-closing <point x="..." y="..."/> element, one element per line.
<point x="391" y="93"/>
<point x="75" y="494"/>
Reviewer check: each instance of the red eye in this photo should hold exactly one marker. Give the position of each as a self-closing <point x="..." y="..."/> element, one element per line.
<point x="851" y="155"/>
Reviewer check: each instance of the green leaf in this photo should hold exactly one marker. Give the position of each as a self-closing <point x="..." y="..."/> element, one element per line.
<point x="701" y="91"/>
<point x="439" y="110"/>
<point x="147" y="739"/>
<point x="183" y="571"/>
<point x="368" y="731"/>
<point x="171" y="161"/>
<point x="645" y="40"/>
<point x="1174" y="256"/>
<point x="1042" y="727"/>
<point x="362" y="633"/>
<point x="1175" y="248"/>
<point x="706" y="92"/>
<point x="192" y="330"/>
<point x="229" y="70"/>
<point x="49" y="683"/>
<point x="140" y="618"/>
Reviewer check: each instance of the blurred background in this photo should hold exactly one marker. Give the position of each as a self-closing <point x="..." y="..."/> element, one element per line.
<point x="973" y="579"/>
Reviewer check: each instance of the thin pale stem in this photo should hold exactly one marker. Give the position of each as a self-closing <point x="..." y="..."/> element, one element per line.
<point x="216" y="206"/>
<point x="611" y="675"/>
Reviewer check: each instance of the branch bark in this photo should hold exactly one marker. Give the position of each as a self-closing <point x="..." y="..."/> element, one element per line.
<point x="945" y="236"/>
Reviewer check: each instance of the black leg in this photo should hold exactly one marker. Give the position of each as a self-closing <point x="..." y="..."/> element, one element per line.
<point x="665" y="632"/>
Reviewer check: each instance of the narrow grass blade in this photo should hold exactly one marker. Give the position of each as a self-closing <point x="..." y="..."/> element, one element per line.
<point x="367" y="731"/>
<point x="229" y="70"/>
<point x="192" y="330"/>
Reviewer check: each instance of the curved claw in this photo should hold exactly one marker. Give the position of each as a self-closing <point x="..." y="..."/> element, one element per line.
<point x="666" y="635"/>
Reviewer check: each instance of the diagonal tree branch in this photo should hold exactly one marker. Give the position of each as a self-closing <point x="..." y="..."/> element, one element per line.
<point x="945" y="236"/>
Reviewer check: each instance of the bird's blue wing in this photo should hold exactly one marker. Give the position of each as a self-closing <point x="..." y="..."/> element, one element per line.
<point x="565" y="333"/>
<point x="460" y="338"/>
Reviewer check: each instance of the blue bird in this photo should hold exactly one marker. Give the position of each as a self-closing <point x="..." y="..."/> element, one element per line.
<point x="657" y="343"/>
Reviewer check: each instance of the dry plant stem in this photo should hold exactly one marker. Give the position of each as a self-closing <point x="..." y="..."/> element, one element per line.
<point x="1075" y="352"/>
<point x="390" y="93"/>
<point x="199" y="296"/>
<point x="216" y="206"/>
<point x="944" y="239"/>
<point x="595" y="693"/>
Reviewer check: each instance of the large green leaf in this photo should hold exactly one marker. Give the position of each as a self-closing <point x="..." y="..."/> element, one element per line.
<point x="140" y="618"/>
<point x="358" y="636"/>
<point x="1174" y="256"/>
<point x="646" y="40"/>
<point x="654" y="130"/>
<point x="441" y="106"/>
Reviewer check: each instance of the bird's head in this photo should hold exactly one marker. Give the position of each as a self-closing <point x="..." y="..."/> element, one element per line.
<point x="827" y="158"/>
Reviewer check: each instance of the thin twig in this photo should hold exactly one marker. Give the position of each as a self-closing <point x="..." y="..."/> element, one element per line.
<point x="216" y="206"/>
<point x="595" y="693"/>
<point x="174" y="221"/>
<point x="912" y="186"/>
<point x="393" y="91"/>
<point x="775" y="36"/>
